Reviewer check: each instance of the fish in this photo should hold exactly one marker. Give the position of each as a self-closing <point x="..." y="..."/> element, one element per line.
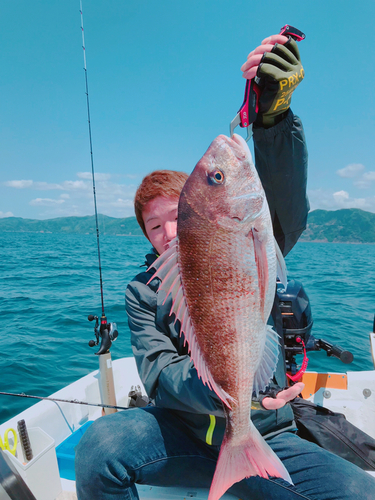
<point x="221" y="272"/>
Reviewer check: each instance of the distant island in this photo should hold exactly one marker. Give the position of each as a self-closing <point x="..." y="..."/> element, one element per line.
<point x="73" y="225"/>
<point x="349" y="225"/>
<point x="328" y="226"/>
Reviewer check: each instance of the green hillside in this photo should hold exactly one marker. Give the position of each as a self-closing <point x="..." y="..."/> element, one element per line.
<point x="340" y="226"/>
<point x="80" y="225"/>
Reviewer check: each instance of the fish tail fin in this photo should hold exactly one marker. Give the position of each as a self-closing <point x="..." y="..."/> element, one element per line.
<point x="253" y="457"/>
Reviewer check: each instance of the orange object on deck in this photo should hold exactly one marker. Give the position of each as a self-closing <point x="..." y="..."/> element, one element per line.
<point x="314" y="381"/>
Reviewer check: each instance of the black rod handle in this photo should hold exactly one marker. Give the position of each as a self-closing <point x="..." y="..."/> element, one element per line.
<point x="336" y="351"/>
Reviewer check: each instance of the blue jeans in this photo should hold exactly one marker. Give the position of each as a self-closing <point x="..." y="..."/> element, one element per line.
<point x="151" y="446"/>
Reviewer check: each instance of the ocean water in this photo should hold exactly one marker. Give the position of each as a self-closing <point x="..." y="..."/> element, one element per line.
<point x="50" y="284"/>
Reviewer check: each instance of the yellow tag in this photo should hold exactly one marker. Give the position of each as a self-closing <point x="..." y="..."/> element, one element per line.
<point x="5" y="445"/>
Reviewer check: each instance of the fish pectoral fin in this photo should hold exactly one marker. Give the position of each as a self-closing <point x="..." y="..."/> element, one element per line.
<point x="167" y="269"/>
<point x="268" y="362"/>
<point x="260" y="253"/>
<point x="281" y="267"/>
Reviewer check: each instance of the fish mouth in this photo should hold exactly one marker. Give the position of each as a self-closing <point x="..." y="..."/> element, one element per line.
<point x="240" y="141"/>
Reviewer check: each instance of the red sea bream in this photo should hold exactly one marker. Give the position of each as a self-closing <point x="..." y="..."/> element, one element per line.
<point x="221" y="271"/>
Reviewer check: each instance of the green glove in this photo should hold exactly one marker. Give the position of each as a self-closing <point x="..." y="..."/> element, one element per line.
<point x="280" y="72"/>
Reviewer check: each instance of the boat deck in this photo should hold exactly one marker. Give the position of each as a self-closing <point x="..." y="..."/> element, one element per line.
<point x="351" y="393"/>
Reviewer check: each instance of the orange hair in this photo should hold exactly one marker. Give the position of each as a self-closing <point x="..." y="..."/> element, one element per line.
<point x="165" y="183"/>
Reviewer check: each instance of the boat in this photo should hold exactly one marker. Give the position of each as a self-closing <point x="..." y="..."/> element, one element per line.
<point x="351" y="393"/>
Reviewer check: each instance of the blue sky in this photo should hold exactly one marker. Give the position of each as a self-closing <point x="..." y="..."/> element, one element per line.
<point x="164" y="81"/>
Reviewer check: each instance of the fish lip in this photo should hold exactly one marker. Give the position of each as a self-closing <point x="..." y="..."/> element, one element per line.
<point x="240" y="141"/>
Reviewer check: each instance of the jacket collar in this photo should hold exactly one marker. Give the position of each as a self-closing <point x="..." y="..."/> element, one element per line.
<point x="151" y="257"/>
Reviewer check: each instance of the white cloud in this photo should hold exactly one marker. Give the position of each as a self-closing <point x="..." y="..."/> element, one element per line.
<point x="356" y="170"/>
<point x="42" y="186"/>
<point x="98" y="176"/>
<point x="369" y="176"/>
<point x="19" y="184"/>
<point x="70" y="185"/>
<point x="5" y="214"/>
<point x="46" y="202"/>
<point x="330" y="200"/>
<point x="362" y="184"/>
<point x="341" y="196"/>
<point x="46" y="186"/>
<point x="76" y="198"/>
<point x="123" y="203"/>
<point x="351" y="170"/>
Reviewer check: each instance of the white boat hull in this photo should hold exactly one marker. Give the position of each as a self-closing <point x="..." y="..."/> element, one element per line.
<point x="59" y="420"/>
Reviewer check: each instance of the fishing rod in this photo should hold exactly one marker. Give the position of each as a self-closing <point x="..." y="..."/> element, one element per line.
<point x="107" y="331"/>
<point x="92" y="159"/>
<point x="135" y="395"/>
<point x="73" y="401"/>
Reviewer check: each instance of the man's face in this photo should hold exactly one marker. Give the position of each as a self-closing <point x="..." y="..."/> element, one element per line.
<point x="160" y="218"/>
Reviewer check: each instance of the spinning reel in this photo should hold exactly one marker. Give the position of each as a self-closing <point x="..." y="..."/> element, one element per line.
<point x="107" y="331"/>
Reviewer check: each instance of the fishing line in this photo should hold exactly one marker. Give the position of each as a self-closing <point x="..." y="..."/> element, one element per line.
<point x="63" y="416"/>
<point x="91" y="156"/>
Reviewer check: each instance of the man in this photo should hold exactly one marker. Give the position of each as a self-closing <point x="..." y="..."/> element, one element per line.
<point x="176" y="440"/>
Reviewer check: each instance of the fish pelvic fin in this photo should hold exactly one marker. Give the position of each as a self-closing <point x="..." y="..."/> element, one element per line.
<point x="253" y="457"/>
<point x="168" y="271"/>
<point x="268" y="362"/>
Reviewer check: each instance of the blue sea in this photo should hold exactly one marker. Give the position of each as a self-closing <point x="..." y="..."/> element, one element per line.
<point x="50" y="284"/>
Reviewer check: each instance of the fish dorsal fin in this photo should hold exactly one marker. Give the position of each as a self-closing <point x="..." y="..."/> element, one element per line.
<point x="168" y="270"/>
<point x="281" y="267"/>
<point x="268" y="363"/>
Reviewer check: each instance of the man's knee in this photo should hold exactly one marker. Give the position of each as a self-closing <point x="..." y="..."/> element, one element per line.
<point x="89" y="451"/>
<point x="116" y="435"/>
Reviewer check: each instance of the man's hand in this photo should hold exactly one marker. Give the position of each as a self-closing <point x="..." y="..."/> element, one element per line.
<point x="283" y="397"/>
<point x="277" y="63"/>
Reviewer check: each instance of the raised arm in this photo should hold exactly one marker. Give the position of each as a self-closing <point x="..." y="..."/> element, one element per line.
<point x="279" y="139"/>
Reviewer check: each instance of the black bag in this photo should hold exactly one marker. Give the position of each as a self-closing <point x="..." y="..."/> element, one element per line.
<point x="334" y="433"/>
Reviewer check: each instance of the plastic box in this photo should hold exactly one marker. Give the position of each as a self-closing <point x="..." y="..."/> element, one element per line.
<point x="41" y="474"/>
<point x="66" y="452"/>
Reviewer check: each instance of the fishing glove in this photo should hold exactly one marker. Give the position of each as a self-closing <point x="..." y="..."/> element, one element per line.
<point x="280" y="72"/>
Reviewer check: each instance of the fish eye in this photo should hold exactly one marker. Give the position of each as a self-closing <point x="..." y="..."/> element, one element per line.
<point x="216" y="176"/>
